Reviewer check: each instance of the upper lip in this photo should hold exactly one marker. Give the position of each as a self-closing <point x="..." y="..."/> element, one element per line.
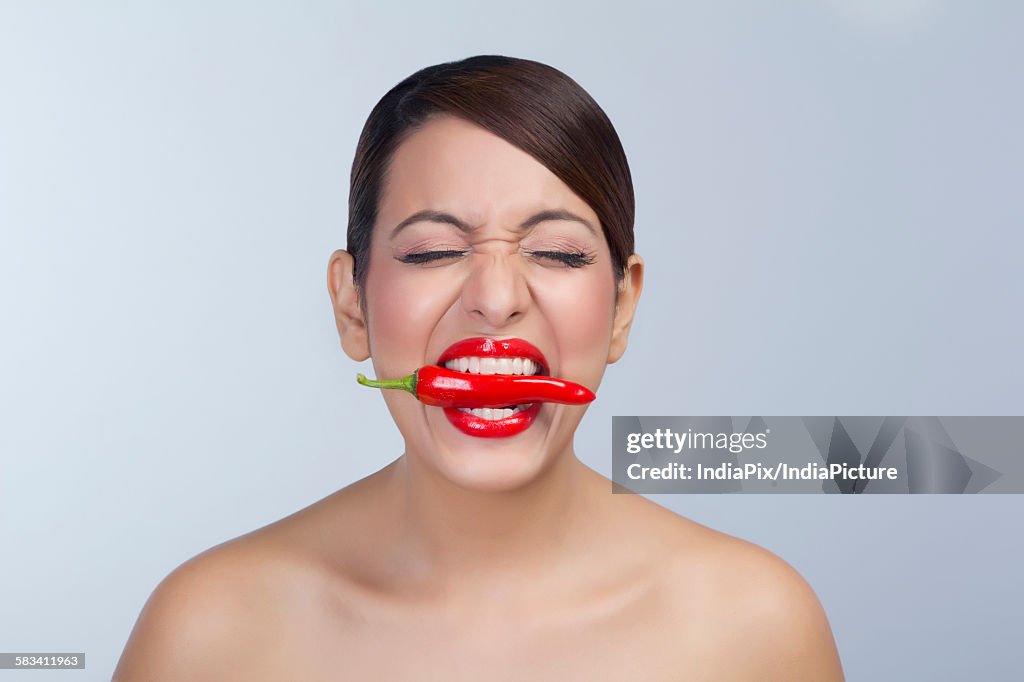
<point x="483" y="347"/>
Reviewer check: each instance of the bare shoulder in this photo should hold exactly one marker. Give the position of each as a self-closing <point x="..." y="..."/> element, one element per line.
<point x="211" y="615"/>
<point x="755" y="610"/>
<point x="258" y="600"/>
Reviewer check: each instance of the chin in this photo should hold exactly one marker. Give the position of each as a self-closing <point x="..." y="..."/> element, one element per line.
<point x="495" y="464"/>
<point x="492" y="470"/>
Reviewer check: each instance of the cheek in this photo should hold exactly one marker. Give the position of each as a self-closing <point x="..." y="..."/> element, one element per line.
<point x="403" y="311"/>
<point x="581" y="316"/>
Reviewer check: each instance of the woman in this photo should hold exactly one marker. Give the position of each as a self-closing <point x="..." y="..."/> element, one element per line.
<point x="490" y="230"/>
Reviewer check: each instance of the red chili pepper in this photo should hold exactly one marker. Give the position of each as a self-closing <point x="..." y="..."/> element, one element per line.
<point x="442" y="387"/>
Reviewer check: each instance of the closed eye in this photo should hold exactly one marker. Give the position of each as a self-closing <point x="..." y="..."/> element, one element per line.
<point x="572" y="259"/>
<point x="429" y="256"/>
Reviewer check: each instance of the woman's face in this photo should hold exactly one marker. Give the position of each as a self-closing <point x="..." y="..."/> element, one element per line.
<point x="432" y="283"/>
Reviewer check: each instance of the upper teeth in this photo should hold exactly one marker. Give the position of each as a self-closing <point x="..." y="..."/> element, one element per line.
<point x="493" y="365"/>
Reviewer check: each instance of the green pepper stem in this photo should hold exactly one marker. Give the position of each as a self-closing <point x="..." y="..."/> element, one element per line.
<point x="406" y="383"/>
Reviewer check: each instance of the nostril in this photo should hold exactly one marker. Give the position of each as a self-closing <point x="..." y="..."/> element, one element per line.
<point x="487" y="296"/>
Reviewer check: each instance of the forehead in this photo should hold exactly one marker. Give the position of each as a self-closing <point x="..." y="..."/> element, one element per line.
<point x="452" y="164"/>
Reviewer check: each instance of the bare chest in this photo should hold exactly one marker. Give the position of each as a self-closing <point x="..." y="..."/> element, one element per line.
<point x="635" y="644"/>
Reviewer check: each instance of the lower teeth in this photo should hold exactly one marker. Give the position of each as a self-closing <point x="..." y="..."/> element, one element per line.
<point x="495" y="413"/>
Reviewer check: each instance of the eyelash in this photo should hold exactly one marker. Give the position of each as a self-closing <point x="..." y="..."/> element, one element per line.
<point x="572" y="259"/>
<point x="428" y="256"/>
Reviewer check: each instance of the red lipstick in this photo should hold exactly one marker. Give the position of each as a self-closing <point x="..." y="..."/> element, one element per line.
<point x="482" y="347"/>
<point x="472" y="425"/>
<point x="491" y="348"/>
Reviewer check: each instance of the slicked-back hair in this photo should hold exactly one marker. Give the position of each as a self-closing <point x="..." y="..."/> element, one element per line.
<point x="532" y="106"/>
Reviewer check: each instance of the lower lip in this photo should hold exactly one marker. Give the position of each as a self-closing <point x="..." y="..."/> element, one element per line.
<point x="471" y="425"/>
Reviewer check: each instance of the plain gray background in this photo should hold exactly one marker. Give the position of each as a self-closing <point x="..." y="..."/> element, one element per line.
<point x="828" y="204"/>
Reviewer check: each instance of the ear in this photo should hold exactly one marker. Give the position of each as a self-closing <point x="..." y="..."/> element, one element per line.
<point x="625" y="306"/>
<point x="345" y="301"/>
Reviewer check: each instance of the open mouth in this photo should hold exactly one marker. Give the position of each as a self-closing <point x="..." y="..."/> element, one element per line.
<point x="512" y="357"/>
<point x="511" y="366"/>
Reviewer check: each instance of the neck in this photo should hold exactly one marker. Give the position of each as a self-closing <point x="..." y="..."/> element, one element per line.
<point x="475" y="539"/>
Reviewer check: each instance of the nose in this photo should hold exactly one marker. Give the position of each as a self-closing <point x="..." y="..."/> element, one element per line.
<point x="496" y="292"/>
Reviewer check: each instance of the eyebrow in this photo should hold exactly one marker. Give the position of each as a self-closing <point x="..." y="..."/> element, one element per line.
<point x="441" y="217"/>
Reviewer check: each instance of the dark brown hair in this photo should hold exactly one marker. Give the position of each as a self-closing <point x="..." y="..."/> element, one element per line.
<point x="534" y="107"/>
